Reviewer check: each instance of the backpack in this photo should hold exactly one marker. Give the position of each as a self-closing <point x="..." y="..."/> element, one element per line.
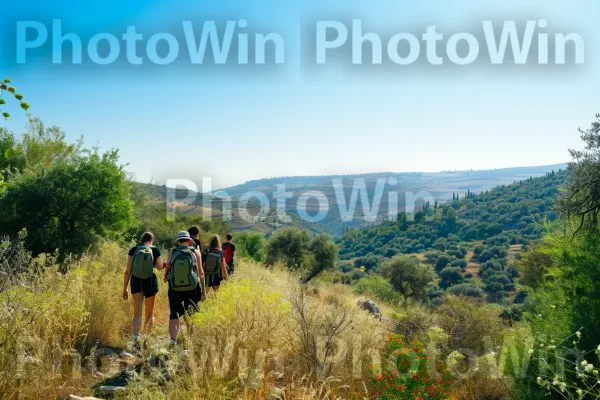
<point x="143" y="262"/>
<point x="228" y="253"/>
<point x="184" y="271"/>
<point x="213" y="262"/>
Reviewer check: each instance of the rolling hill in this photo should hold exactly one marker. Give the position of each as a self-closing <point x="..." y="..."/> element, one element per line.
<point x="248" y="214"/>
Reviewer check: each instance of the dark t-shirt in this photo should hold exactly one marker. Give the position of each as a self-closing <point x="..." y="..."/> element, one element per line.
<point x="198" y="245"/>
<point x="155" y="252"/>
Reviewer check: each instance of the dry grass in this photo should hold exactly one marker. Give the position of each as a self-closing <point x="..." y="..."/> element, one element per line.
<point x="262" y="335"/>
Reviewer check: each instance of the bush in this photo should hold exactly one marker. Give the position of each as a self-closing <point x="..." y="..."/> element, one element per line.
<point x="405" y="373"/>
<point x="443" y="261"/>
<point x="251" y="245"/>
<point x="408" y="276"/>
<point x="462" y="264"/>
<point x="451" y="276"/>
<point x="377" y="286"/>
<point x="465" y="289"/>
<point x="70" y="206"/>
<point x="473" y="325"/>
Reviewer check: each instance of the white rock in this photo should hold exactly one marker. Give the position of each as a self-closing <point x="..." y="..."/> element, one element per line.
<point x="111" y="389"/>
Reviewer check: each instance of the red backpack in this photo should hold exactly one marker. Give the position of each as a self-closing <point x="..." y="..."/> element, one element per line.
<point x="227" y="252"/>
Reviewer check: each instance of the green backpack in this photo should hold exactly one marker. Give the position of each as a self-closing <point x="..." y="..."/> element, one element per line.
<point x="213" y="262"/>
<point x="184" y="271"/>
<point x="143" y="262"/>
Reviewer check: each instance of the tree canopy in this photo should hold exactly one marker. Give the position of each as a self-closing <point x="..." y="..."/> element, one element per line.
<point x="69" y="206"/>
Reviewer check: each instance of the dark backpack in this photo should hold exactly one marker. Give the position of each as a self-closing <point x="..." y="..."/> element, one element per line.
<point x="228" y="253"/>
<point x="213" y="261"/>
<point x="184" y="271"/>
<point x="143" y="262"/>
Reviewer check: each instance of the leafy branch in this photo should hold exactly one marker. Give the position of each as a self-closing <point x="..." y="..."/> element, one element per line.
<point x="5" y="86"/>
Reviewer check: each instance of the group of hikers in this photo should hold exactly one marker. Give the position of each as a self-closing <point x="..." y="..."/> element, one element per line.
<point x="189" y="271"/>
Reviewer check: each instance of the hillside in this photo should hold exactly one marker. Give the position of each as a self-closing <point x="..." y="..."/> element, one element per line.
<point x="441" y="185"/>
<point x="479" y="235"/>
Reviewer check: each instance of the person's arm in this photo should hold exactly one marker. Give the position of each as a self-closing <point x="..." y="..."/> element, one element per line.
<point x="224" y="269"/>
<point x="158" y="262"/>
<point x="201" y="273"/>
<point x="127" y="277"/>
<point x="167" y="266"/>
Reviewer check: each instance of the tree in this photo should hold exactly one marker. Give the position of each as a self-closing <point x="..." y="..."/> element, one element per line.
<point x="408" y="276"/>
<point x="580" y="201"/>
<point x="420" y="216"/>
<point x="251" y="245"/>
<point x="299" y="252"/>
<point x="323" y="254"/>
<point x="289" y="246"/>
<point x="465" y="289"/>
<point x="443" y="261"/>
<point x="451" y="276"/>
<point x="45" y="146"/>
<point x="70" y="206"/>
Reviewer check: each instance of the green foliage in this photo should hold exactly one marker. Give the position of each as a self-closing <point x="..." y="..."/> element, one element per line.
<point x="19" y="97"/>
<point x="45" y="146"/>
<point x="465" y="289"/>
<point x="451" y="276"/>
<point x="289" y="246"/>
<point x="377" y="286"/>
<point x="515" y="212"/>
<point x="408" y="276"/>
<point x="295" y="249"/>
<point x="251" y="245"/>
<point x="570" y="284"/>
<point x="70" y="206"/>
<point x="580" y="201"/>
<point x="564" y="376"/>
<point x="323" y="255"/>
<point x="406" y="373"/>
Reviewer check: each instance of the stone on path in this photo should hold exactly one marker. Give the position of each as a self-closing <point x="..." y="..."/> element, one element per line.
<point x="111" y="389"/>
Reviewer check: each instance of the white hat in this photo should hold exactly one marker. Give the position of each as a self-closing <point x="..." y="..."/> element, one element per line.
<point x="183" y="235"/>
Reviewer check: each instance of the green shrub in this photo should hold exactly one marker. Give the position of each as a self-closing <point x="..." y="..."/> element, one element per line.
<point x="406" y="373"/>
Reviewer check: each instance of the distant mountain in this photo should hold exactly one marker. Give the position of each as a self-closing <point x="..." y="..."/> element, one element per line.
<point x="438" y="187"/>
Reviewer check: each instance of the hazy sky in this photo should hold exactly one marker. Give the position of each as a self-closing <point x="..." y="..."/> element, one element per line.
<point x="234" y="123"/>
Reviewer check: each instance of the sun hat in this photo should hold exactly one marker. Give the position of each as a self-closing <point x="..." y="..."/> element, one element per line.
<point x="183" y="235"/>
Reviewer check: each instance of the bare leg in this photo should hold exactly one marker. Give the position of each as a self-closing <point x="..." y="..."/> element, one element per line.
<point x="138" y="303"/>
<point x="149" y="321"/>
<point x="174" y="328"/>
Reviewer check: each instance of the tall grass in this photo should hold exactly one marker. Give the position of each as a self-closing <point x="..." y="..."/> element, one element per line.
<point x="50" y="320"/>
<point x="263" y="335"/>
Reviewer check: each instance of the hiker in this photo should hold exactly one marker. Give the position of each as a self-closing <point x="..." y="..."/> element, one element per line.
<point x="229" y="252"/>
<point x="194" y="232"/>
<point x="144" y="284"/>
<point x="186" y="281"/>
<point x="213" y="261"/>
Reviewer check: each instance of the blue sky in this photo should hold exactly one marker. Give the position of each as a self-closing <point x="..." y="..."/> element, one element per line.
<point x="235" y="123"/>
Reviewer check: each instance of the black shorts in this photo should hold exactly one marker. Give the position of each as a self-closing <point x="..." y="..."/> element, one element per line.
<point x="213" y="280"/>
<point x="182" y="303"/>
<point x="149" y="287"/>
